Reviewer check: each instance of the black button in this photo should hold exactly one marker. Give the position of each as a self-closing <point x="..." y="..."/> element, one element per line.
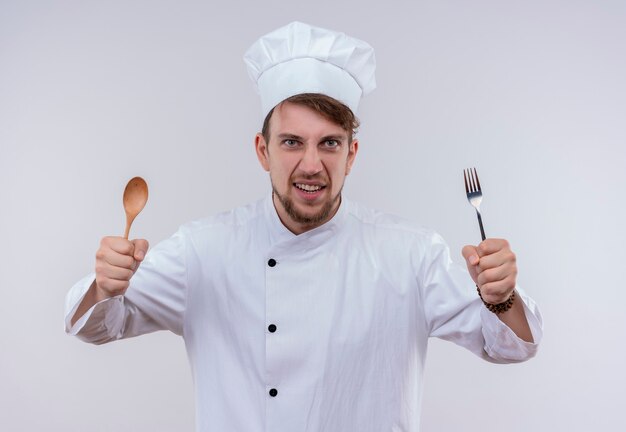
<point x="271" y="262"/>
<point x="273" y="392"/>
<point x="271" y="328"/>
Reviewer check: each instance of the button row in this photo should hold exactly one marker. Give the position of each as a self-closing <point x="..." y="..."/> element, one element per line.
<point x="272" y="328"/>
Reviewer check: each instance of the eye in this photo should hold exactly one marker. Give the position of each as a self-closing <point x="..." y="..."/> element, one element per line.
<point x="290" y="143"/>
<point x="331" y="144"/>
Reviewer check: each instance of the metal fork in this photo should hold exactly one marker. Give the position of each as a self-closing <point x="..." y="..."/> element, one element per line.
<point x="474" y="194"/>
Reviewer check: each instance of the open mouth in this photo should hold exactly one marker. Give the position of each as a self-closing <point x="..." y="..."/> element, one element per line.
<point x="308" y="188"/>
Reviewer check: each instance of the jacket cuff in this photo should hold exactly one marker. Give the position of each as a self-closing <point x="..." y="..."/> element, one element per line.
<point x="502" y="344"/>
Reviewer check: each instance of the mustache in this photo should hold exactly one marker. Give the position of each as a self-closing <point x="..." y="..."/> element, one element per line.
<point x="309" y="177"/>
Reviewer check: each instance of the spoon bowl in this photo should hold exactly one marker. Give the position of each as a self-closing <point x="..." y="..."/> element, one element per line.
<point x="135" y="198"/>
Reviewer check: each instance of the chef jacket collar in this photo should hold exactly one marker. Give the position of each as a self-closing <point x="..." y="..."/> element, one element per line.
<point x="279" y="233"/>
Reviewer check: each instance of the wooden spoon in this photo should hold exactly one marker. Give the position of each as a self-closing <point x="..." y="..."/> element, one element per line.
<point x="135" y="198"/>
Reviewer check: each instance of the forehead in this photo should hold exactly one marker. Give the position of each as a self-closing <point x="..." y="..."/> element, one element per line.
<point x="302" y="121"/>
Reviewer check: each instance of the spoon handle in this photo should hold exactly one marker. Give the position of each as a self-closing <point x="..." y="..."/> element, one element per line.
<point x="129" y="222"/>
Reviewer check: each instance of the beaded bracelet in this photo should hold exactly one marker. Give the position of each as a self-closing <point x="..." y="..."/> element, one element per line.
<point x="500" y="307"/>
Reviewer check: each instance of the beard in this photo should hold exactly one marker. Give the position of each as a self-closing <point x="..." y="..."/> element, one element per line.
<point x="303" y="218"/>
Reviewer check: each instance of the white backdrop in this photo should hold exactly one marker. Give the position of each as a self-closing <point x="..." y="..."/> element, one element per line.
<point x="531" y="92"/>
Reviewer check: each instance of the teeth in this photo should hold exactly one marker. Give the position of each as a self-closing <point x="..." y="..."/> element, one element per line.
<point x="308" y="188"/>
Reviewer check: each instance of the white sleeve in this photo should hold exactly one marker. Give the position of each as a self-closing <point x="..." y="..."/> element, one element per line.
<point x="155" y="300"/>
<point x="501" y="343"/>
<point x="454" y="311"/>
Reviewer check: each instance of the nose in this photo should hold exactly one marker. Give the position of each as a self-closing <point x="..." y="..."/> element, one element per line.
<point x="311" y="163"/>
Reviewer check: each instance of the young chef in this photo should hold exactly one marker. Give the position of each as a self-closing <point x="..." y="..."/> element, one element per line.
<point x="305" y="311"/>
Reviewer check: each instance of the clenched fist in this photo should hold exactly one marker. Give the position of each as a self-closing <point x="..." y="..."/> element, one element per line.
<point x="493" y="268"/>
<point x="117" y="260"/>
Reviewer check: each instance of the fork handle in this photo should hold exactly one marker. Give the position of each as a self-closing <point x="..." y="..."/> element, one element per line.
<point x="480" y="223"/>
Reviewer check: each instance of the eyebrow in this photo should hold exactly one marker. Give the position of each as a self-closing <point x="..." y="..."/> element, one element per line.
<point x="335" y="138"/>
<point x="284" y="136"/>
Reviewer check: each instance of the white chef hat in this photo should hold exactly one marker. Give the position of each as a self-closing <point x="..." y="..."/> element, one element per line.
<point x="299" y="58"/>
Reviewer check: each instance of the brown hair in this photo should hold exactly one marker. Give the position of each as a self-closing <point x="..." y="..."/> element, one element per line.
<point x="329" y="108"/>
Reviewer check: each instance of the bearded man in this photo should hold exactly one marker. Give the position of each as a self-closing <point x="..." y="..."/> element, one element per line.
<point x="305" y="311"/>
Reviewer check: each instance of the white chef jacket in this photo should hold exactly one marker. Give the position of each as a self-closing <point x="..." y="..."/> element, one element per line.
<point x="351" y="303"/>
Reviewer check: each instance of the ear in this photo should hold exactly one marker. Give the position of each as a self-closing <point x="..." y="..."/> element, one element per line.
<point x="352" y="151"/>
<point x="261" y="151"/>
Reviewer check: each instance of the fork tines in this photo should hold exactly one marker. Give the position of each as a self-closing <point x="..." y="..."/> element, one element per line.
<point x="472" y="184"/>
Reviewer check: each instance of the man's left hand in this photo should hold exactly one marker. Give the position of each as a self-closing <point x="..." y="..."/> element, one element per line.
<point x="493" y="268"/>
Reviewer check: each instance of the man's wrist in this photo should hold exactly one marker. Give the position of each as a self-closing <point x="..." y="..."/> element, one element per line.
<point x="500" y="307"/>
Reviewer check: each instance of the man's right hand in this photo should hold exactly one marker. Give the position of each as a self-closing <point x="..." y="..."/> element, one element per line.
<point x="117" y="260"/>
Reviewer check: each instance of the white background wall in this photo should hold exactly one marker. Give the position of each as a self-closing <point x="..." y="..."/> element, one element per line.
<point x="531" y="92"/>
